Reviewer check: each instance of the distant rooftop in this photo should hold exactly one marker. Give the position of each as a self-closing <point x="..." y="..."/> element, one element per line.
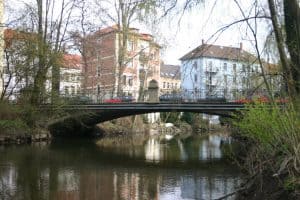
<point x="72" y="61"/>
<point x="170" y="71"/>
<point x="221" y="52"/>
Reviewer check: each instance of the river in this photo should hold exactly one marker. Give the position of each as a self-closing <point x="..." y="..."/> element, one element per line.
<point x="152" y="168"/>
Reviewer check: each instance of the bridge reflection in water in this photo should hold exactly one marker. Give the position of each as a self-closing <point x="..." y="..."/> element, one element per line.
<point x="177" y="169"/>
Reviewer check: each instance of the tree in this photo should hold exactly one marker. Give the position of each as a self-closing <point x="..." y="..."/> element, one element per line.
<point x="19" y="65"/>
<point x="49" y="29"/>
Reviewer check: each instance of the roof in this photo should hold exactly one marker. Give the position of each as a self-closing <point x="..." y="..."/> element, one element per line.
<point x="134" y="31"/>
<point x="11" y="35"/>
<point x="72" y="61"/>
<point x="170" y="71"/>
<point x="221" y="52"/>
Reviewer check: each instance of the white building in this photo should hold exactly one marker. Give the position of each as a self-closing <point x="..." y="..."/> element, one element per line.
<point x="211" y="71"/>
<point x="71" y="75"/>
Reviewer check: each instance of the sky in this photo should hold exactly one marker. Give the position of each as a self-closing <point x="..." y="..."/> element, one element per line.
<point x="202" y="23"/>
<point x="178" y="37"/>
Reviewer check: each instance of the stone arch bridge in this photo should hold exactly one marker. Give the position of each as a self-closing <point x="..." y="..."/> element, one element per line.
<point x="82" y="118"/>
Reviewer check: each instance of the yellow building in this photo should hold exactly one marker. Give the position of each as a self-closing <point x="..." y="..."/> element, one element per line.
<point x="170" y="80"/>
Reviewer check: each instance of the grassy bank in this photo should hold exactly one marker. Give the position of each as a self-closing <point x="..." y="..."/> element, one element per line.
<point x="271" y="157"/>
<point x="22" y="124"/>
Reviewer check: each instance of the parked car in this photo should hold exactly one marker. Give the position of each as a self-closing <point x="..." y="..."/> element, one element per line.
<point x="120" y="99"/>
<point x="171" y="98"/>
<point x="113" y="100"/>
<point x="126" y="98"/>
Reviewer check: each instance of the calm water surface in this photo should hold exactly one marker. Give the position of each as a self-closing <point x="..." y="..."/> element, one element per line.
<point x="190" y="168"/>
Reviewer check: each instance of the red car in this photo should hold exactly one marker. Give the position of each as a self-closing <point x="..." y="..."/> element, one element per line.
<point x="120" y="99"/>
<point x="113" y="100"/>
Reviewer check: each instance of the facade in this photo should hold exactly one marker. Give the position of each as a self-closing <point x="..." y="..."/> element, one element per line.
<point x="1" y="45"/>
<point x="170" y="79"/>
<point x="211" y="71"/>
<point x="71" y="75"/>
<point x="107" y="77"/>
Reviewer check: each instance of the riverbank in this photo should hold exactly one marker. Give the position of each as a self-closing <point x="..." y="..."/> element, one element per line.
<point x="40" y="135"/>
<point x="270" y="153"/>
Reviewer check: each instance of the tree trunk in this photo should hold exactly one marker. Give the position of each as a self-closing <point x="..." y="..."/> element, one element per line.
<point x="292" y="27"/>
<point x="286" y="67"/>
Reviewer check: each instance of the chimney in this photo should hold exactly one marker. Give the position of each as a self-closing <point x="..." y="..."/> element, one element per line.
<point x="203" y="41"/>
<point x="241" y="46"/>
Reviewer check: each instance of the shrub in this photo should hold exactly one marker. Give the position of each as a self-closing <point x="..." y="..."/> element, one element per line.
<point x="275" y="135"/>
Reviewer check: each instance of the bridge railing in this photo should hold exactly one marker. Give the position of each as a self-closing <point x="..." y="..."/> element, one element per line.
<point x="177" y="96"/>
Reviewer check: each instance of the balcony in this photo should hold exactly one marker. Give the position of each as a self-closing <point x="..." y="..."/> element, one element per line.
<point x="211" y="70"/>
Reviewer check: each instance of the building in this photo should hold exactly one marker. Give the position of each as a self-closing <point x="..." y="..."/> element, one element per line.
<point x="20" y="67"/>
<point x="71" y="75"/>
<point x="109" y="71"/>
<point x="1" y="45"/>
<point x="17" y="66"/>
<point x="219" y="71"/>
<point x="170" y="78"/>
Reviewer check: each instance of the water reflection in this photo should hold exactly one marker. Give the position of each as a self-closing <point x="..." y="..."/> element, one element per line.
<point x="82" y="170"/>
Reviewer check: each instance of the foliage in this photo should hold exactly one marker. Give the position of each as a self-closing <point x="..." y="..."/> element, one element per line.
<point x="170" y="117"/>
<point x="11" y="118"/>
<point x="275" y="135"/>
<point x="187" y="117"/>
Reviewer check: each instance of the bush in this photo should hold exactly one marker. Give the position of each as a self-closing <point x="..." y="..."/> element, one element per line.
<point x="11" y="118"/>
<point x="275" y="135"/>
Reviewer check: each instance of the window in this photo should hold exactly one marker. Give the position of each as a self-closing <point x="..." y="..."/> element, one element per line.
<point x="67" y="77"/>
<point x="210" y="66"/>
<point x="234" y="68"/>
<point x="98" y="89"/>
<point x="234" y="79"/>
<point x="244" y="80"/>
<point x="124" y="80"/>
<point x="130" y="81"/>
<point x="168" y="85"/>
<point x="225" y="67"/>
<point x="225" y="80"/>
<point x="175" y="85"/>
<point x="73" y="90"/>
<point x="98" y="70"/>
<point x="195" y="78"/>
<point x="66" y="89"/>
<point x="164" y="84"/>
<point x="195" y="65"/>
<point x="243" y="68"/>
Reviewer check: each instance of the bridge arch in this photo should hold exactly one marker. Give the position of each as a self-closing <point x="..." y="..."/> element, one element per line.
<point x="85" y="117"/>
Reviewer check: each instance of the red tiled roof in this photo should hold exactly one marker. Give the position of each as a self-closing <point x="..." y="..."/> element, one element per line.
<point x="221" y="52"/>
<point x="72" y="61"/>
<point x="10" y="35"/>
